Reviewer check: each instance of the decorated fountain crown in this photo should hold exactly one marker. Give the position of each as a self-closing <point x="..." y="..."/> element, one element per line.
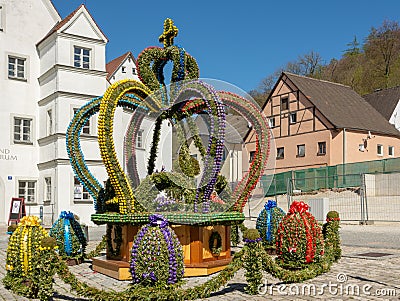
<point x="185" y="97"/>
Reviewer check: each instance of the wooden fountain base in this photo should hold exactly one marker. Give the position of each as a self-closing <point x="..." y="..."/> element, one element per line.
<point x="198" y="259"/>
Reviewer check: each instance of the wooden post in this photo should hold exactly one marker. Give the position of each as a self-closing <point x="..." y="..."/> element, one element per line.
<point x="196" y="245"/>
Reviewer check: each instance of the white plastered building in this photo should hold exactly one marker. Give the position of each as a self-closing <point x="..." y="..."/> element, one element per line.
<point x="49" y="67"/>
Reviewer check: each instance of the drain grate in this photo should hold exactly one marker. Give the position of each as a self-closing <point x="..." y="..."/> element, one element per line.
<point x="374" y="254"/>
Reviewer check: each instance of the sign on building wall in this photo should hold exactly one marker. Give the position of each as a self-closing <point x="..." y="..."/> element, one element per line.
<point x="6" y="154"/>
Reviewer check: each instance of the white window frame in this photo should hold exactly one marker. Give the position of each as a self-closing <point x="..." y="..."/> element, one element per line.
<point x="271" y="122"/>
<point x="391" y="151"/>
<point x="21" y="130"/>
<point x="15" y="67"/>
<point x="379" y="149"/>
<point x="139" y="139"/>
<point x="319" y="148"/>
<point x="123" y="69"/>
<point x="300" y="153"/>
<point x="47" y="189"/>
<point x="28" y="195"/>
<point x="80" y="192"/>
<point x="293" y="117"/>
<point x="79" y="56"/>
<point x="134" y="71"/>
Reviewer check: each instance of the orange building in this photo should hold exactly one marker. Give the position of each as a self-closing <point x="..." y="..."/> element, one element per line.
<point x="317" y="123"/>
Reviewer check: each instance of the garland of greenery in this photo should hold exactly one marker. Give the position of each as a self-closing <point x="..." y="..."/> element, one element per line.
<point x="215" y="243"/>
<point x="46" y="262"/>
<point x="174" y="218"/>
<point x="117" y="239"/>
<point x="97" y="250"/>
<point x="330" y="230"/>
<point x="154" y="146"/>
<point x="252" y="260"/>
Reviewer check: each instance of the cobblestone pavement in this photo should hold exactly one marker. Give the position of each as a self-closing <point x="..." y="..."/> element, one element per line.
<point x="352" y="278"/>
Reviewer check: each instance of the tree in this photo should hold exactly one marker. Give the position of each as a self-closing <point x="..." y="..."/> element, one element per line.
<point x="382" y="47"/>
<point x="353" y="49"/>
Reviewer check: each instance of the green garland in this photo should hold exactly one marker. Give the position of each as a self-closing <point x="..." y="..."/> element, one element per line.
<point x="252" y="257"/>
<point x="117" y="239"/>
<point x="330" y="231"/>
<point x="234" y="235"/>
<point x="154" y="145"/>
<point x="97" y="250"/>
<point x="215" y="243"/>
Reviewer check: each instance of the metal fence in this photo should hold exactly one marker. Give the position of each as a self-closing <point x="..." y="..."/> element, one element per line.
<point x="329" y="177"/>
<point x="376" y="198"/>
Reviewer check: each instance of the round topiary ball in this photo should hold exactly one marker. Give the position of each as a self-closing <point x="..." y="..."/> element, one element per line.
<point x="268" y="221"/>
<point x="299" y="238"/>
<point x="70" y="238"/>
<point x="157" y="255"/>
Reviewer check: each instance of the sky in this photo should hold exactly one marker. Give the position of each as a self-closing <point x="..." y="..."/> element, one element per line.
<point x="240" y="42"/>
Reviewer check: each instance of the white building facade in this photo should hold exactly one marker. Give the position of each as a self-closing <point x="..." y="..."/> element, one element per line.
<point x="49" y="69"/>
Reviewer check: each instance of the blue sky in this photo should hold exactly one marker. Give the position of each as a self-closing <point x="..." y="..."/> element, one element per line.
<point x="240" y="42"/>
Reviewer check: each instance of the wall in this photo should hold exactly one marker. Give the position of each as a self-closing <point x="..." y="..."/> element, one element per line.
<point x="18" y="161"/>
<point x="352" y="141"/>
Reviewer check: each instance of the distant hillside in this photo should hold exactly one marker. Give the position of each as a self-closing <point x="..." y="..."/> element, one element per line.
<point x="374" y="64"/>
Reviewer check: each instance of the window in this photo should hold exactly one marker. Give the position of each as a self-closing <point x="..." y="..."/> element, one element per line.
<point x="81" y="57"/>
<point x="27" y="190"/>
<point x="16" y="67"/>
<point x="301" y="150"/>
<point x="80" y="192"/>
<point x="123" y="69"/>
<point x="86" y="127"/>
<point x="280" y="153"/>
<point x="391" y="151"/>
<point x="224" y="154"/>
<point x="251" y="157"/>
<point x="379" y="149"/>
<point x="139" y="139"/>
<point x="1" y="18"/>
<point x="22" y="130"/>
<point x="133" y="71"/>
<point x="271" y="122"/>
<point x="293" y="117"/>
<point x="47" y="194"/>
<point x="321" y="148"/>
<point x="285" y="103"/>
<point x="49" y="122"/>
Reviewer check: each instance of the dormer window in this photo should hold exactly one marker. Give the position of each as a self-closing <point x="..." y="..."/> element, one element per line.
<point x="81" y="57"/>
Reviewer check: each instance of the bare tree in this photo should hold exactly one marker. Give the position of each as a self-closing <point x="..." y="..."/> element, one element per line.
<point x="383" y="45"/>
